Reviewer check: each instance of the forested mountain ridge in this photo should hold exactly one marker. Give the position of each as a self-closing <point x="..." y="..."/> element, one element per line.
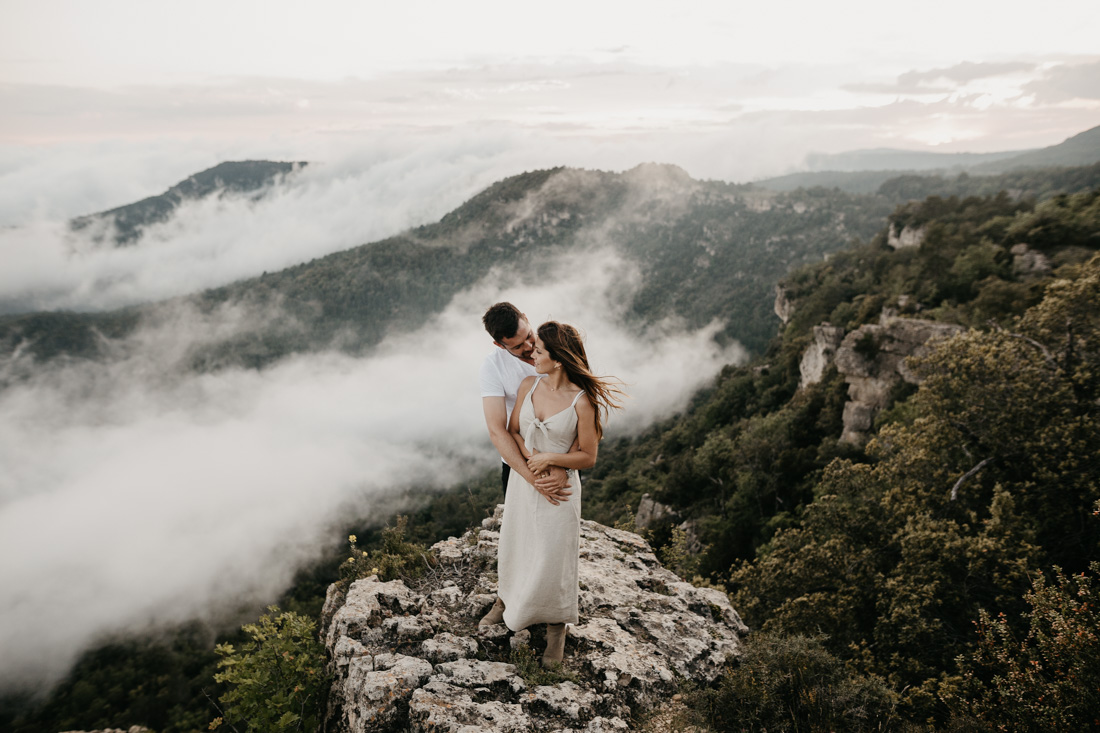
<point x="864" y="171"/>
<point x="897" y="556"/>
<point x="706" y="250"/>
<point x="980" y="482"/>
<point x="125" y="224"/>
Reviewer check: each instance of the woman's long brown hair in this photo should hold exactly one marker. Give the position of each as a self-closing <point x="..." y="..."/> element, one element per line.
<point x="563" y="344"/>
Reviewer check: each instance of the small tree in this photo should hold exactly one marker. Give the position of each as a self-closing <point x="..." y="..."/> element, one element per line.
<point x="277" y="679"/>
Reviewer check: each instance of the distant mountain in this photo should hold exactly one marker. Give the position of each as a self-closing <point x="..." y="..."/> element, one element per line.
<point x="891" y="159"/>
<point x="863" y="171"/>
<point x="705" y="250"/>
<point x="1081" y="149"/>
<point x="125" y="224"/>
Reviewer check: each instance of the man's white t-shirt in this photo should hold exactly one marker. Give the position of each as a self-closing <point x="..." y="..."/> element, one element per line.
<point x="501" y="375"/>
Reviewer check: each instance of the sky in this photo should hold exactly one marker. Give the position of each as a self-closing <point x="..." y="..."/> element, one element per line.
<point x="136" y="494"/>
<point x="733" y="91"/>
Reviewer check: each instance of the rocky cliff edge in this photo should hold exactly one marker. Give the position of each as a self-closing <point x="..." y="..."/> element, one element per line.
<point x="406" y="656"/>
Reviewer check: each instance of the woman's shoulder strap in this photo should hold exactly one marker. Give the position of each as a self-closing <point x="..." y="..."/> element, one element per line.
<point x="575" y="398"/>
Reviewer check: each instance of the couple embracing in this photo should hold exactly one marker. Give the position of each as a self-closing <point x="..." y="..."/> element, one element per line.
<point x="544" y="410"/>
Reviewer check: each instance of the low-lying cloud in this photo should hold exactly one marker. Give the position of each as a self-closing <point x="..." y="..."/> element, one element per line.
<point x="137" y="494"/>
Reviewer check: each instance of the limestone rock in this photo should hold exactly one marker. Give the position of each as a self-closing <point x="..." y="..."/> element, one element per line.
<point x="783" y="306"/>
<point x="873" y="361"/>
<point x="819" y="355"/>
<point x="907" y="237"/>
<point x="409" y="657"/>
<point x="650" y="511"/>
<point x="1027" y="262"/>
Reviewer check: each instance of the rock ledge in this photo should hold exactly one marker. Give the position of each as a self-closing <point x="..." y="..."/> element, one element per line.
<point x="410" y="659"/>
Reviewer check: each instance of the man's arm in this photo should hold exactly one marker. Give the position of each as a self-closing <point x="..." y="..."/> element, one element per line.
<point x="496" y="420"/>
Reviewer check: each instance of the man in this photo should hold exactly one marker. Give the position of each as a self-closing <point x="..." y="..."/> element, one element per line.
<point x="501" y="374"/>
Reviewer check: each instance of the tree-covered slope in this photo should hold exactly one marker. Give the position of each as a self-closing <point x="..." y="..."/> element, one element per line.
<point x="705" y="250"/>
<point x="980" y="480"/>
<point x="897" y="556"/>
<point x="125" y="224"/>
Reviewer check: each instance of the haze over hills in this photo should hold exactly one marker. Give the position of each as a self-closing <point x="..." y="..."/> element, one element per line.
<point x="126" y="224"/>
<point x="863" y="171"/>
<point x="752" y="485"/>
<point x="705" y="250"/>
<point x="281" y="405"/>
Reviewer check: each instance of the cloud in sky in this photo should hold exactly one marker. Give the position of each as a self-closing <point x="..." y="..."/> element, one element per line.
<point x="137" y="494"/>
<point x="641" y="79"/>
<point x="1067" y="82"/>
<point x="944" y="80"/>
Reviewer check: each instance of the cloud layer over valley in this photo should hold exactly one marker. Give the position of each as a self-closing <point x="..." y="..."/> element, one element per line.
<point x="137" y="493"/>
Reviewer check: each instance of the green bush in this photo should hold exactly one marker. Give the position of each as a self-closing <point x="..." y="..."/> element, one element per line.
<point x="396" y="558"/>
<point x="791" y="683"/>
<point x="277" y="680"/>
<point x="1048" y="681"/>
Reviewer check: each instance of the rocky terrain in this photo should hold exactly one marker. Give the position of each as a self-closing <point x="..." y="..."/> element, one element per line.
<point x="407" y="655"/>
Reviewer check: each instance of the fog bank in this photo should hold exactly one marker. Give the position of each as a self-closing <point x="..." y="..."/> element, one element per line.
<point x="137" y="494"/>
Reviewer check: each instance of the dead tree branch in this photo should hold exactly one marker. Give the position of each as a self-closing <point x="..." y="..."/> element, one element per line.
<point x="962" y="480"/>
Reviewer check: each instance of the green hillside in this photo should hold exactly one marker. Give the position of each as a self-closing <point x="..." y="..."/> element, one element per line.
<point x="126" y="224"/>
<point x="705" y="249"/>
<point x="937" y="578"/>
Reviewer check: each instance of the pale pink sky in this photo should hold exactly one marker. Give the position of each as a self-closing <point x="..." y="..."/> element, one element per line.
<point x="960" y="75"/>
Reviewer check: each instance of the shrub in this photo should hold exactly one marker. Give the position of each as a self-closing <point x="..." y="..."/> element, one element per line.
<point x="791" y="683"/>
<point x="396" y="558"/>
<point x="277" y="679"/>
<point x="1048" y="681"/>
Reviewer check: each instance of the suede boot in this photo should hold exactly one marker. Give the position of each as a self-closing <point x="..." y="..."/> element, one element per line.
<point x="495" y="616"/>
<point x="555" y="645"/>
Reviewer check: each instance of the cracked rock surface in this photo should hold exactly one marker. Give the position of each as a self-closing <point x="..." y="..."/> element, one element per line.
<point x="408" y="657"/>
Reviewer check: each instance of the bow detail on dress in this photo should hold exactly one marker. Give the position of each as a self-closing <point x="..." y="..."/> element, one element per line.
<point x="541" y="426"/>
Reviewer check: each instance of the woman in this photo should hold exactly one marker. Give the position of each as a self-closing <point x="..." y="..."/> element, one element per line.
<point x="539" y="535"/>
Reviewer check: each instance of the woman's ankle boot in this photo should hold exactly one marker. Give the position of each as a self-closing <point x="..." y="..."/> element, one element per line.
<point x="495" y="615"/>
<point x="555" y="645"/>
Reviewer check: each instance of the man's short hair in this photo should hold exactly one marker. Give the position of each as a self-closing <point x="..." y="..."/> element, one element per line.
<point x="502" y="321"/>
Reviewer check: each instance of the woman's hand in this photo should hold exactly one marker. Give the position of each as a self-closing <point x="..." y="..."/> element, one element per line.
<point x="555" y="495"/>
<point x="539" y="463"/>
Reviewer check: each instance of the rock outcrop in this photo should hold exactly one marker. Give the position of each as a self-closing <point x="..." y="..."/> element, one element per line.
<point x="819" y="355"/>
<point x="872" y="359"/>
<point x="783" y="306"/>
<point x="408" y="656"/>
<point x="650" y="511"/>
<point x="1029" y="263"/>
<point x="906" y="237"/>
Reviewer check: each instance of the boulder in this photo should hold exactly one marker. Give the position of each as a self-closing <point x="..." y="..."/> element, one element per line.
<point x="1029" y="263"/>
<point x="408" y="656"/>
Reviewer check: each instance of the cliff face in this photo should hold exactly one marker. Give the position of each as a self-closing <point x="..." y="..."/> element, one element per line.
<point x="872" y="359"/>
<point x="408" y="656"/>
